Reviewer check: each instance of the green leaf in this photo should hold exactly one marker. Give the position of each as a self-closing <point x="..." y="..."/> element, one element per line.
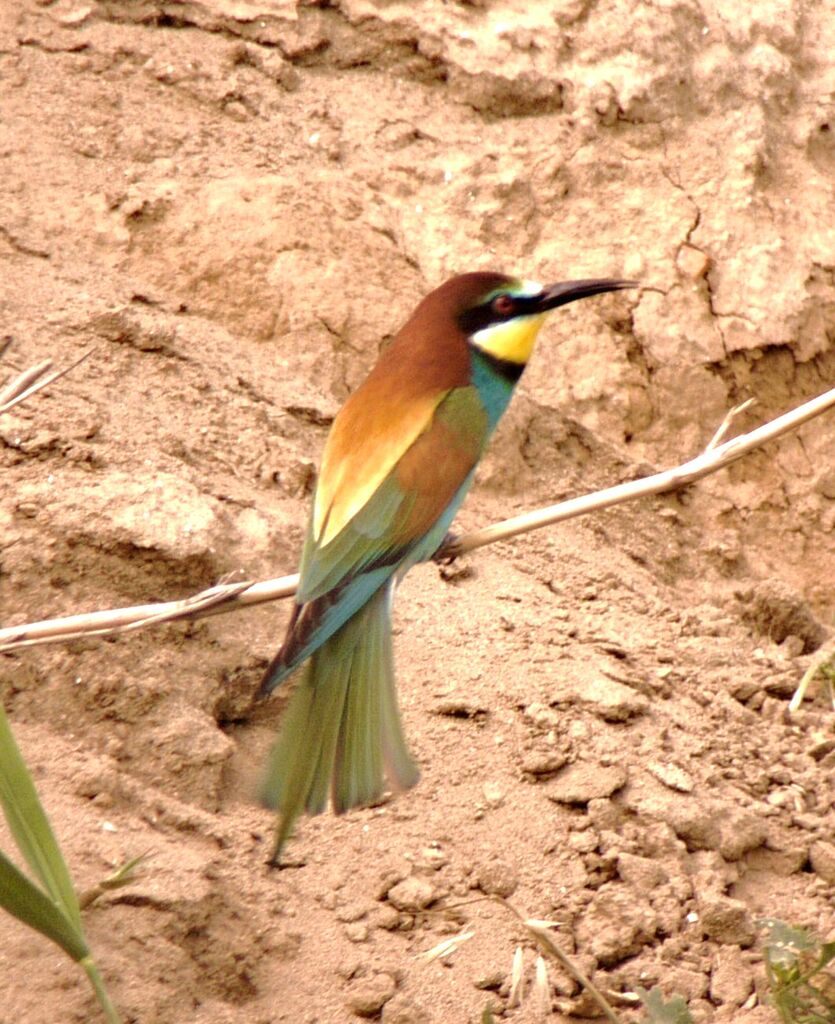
<point x="827" y="955"/>
<point x="124" y="875"/>
<point x="660" y="1011"/>
<point x="109" y="1009"/>
<point x="54" y="913"/>
<point x="30" y="827"/>
<point x="22" y="898"/>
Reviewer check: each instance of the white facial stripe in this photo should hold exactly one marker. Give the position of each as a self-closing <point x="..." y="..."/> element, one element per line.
<point x="530" y="288"/>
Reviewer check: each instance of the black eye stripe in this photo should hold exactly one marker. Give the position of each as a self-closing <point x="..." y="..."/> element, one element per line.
<point x="485" y="315"/>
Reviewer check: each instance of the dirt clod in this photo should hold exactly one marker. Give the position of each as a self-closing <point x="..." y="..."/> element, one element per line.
<point x="732" y="979"/>
<point x="412" y="895"/>
<point x="616" y="925"/>
<point x="776" y="611"/>
<point x="822" y="857"/>
<point x="726" y="920"/>
<point x="581" y="782"/>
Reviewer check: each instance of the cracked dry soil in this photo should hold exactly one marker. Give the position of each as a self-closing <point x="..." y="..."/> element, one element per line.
<point x="236" y="204"/>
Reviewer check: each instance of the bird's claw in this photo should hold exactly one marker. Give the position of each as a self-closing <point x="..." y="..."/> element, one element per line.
<point x="447" y="550"/>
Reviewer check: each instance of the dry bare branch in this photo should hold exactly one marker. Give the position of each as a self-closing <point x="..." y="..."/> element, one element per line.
<point x="231" y="597"/>
<point x="122" y="620"/>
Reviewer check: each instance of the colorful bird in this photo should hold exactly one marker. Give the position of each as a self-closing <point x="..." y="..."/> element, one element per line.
<point x="398" y="461"/>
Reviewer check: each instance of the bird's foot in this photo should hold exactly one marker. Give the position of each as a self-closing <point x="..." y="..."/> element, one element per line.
<point x="448" y="549"/>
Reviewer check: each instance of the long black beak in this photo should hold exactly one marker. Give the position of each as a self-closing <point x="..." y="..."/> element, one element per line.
<point x="568" y="291"/>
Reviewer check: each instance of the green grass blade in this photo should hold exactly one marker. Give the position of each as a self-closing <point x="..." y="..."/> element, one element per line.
<point x="22" y="898"/>
<point x="30" y="827"/>
<point x="55" y="912"/>
<point x="101" y="992"/>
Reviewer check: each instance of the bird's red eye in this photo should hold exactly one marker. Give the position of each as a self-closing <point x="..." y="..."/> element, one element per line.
<point x="503" y="305"/>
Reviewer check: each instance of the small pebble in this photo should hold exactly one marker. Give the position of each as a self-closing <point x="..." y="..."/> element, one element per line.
<point x="357" y="931"/>
<point x="490" y="979"/>
<point x="367" y="997"/>
<point x="497" y="878"/>
<point x="405" y="1009"/>
<point x="387" y="917"/>
<point x="543" y="762"/>
<point x="352" y="912"/>
<point x="493" y="794"/>
<point x="672" y="776"/>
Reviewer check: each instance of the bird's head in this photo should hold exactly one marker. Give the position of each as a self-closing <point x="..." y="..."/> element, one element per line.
<point x="501" y="316"/>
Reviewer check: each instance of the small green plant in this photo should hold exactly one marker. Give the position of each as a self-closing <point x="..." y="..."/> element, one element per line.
<point x="51" y="907"/>
<point x="822" y="668"/>
<point x="664" y="1011"/>
<point x="802" y="989"/>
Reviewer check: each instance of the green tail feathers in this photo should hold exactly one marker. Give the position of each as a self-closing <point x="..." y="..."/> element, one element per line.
<point x="341" y="735"/>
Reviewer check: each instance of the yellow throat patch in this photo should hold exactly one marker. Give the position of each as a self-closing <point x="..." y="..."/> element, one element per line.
<point x="511" y="341"/>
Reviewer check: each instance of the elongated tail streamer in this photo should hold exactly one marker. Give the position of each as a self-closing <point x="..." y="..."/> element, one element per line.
<point x="341" y="734"/>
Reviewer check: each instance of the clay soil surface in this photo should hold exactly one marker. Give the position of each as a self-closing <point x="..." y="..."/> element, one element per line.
<point x="235" y="205"/>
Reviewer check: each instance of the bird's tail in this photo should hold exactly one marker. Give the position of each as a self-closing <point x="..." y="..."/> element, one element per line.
<point x="341" y="734"/>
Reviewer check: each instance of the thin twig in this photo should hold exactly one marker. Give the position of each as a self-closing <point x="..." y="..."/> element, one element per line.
<point x="725" y="425"/>
<point x="32" y="380"/>
<point x="235" y="596"/>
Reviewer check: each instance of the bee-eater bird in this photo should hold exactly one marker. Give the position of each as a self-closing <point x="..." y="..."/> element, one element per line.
<point x="398" y="461"/>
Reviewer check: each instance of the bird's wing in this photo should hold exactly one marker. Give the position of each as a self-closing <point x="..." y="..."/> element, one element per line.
<point x="421" y="490"/>
<point x="368" y="438"/>
<point x="411" y="489"/>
